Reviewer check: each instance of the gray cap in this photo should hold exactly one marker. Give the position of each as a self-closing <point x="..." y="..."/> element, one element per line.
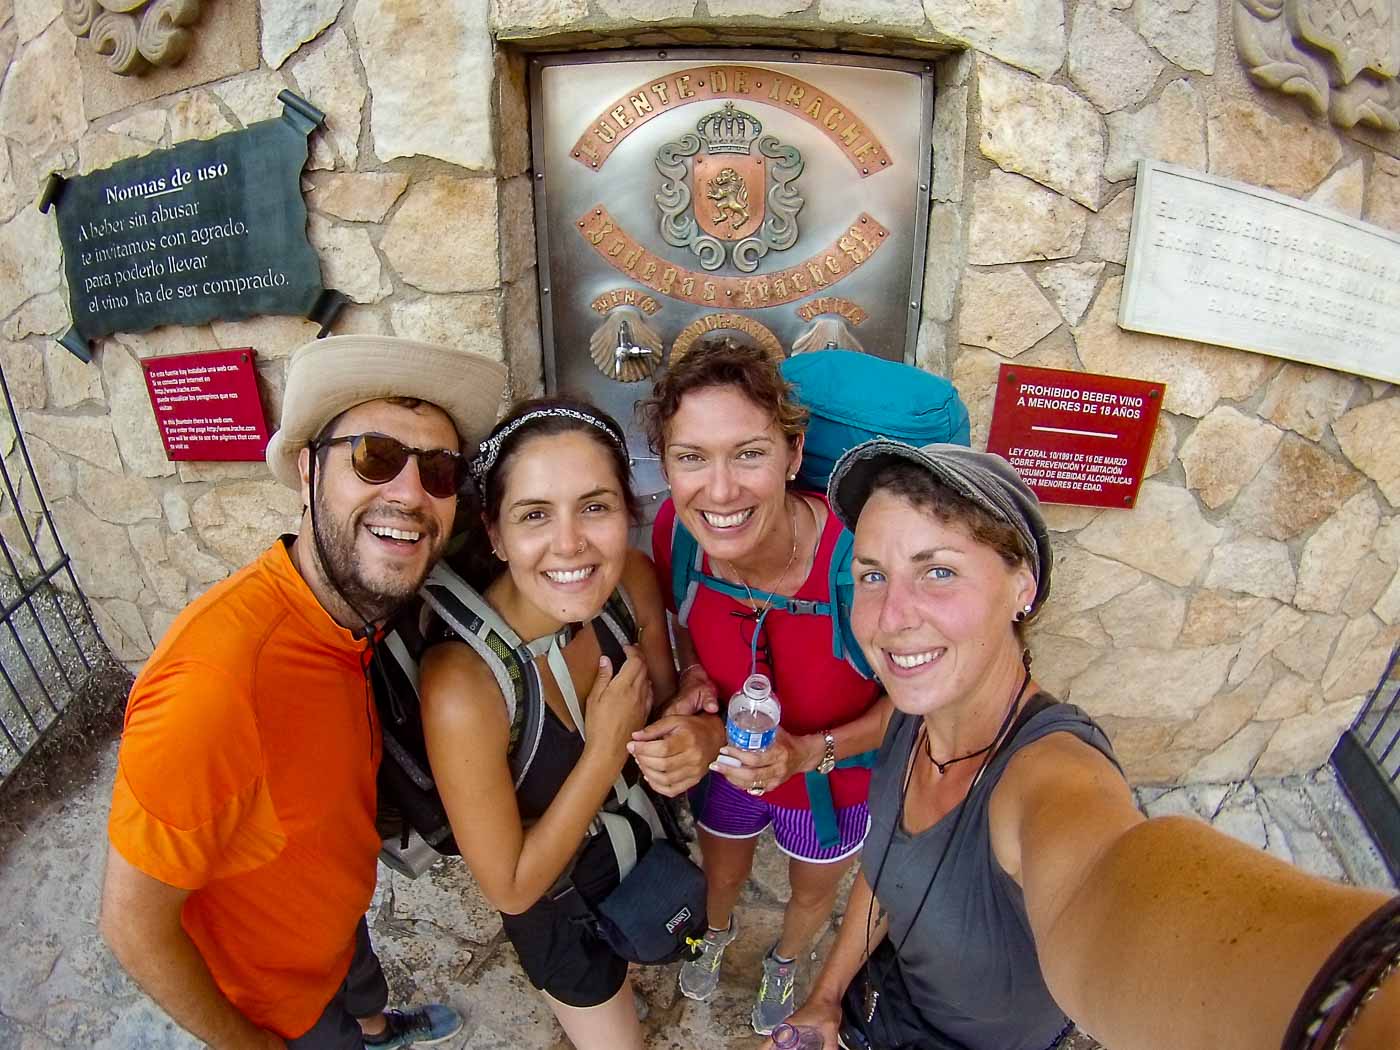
<point x="983" y="478"/>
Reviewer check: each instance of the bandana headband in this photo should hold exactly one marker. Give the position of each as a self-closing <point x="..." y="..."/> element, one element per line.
<point x="490" y="449"/>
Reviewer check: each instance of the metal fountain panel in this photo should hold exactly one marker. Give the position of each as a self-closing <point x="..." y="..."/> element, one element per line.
<point x="778" y="197"/>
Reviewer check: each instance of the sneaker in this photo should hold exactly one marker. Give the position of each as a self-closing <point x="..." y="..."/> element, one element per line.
<point x="775" y="995"/>
<point x="700" y="977"/>
<point x="418" y="1027"/>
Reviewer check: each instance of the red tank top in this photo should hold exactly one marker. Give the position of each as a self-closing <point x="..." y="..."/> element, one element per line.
<point x="816" y="690"/>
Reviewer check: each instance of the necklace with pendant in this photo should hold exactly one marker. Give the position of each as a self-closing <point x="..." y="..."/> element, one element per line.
<point x="943" y="766"/>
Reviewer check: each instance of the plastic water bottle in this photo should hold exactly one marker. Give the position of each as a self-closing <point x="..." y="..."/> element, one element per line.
<point x="752" y="721"/>
<point x="797" y="1037"/>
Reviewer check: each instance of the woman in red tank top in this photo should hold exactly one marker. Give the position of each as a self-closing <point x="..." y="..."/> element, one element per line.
<point x="729" y="435"/>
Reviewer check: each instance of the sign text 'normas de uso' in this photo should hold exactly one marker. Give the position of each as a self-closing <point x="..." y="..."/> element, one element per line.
<point x="1231" y="264"/>
<point x="205" y="230"/>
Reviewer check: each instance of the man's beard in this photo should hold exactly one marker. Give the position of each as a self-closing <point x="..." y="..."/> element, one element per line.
<point x="371" y="600"/>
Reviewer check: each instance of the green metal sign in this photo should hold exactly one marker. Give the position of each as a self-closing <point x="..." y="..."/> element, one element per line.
<point x="204" y="230"/>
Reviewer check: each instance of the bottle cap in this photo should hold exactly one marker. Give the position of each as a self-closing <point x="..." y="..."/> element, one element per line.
<point x="757" y="687"/>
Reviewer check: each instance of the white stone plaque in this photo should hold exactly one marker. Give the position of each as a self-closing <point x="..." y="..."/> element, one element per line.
<point x="1223" y="262"/>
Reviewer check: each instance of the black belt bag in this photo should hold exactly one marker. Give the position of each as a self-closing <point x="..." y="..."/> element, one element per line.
<point x="656" y="914"/>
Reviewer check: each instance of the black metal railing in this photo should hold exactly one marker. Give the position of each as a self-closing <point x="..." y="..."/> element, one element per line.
<point x="1367" y="760"/>
<point x="49" y="644"/>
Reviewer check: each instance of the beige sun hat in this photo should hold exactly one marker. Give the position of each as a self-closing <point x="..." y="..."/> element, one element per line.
<point x="330" y="376"/>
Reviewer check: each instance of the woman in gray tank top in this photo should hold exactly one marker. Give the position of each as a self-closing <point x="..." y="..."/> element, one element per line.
<point x="1009" y="883"/>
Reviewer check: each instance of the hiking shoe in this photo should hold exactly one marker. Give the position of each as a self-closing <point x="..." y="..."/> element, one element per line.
<point x="775" y="995"/>
<point x="700" y="977"/>
<point x="418" y="1027"/>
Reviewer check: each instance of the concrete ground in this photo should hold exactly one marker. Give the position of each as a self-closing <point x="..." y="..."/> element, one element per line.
<point x="60" y="989"/>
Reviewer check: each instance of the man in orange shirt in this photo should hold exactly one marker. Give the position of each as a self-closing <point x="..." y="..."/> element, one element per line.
<point x="243" y="844"/>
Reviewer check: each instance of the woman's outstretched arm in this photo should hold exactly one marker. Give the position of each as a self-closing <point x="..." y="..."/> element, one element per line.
<point x="1148" y="927"/>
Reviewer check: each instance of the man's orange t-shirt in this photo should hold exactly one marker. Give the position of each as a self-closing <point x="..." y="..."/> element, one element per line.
<point x="247" y="775"/>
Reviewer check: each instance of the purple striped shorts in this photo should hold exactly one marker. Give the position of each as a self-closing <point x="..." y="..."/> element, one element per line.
<point x="733" y="814"/>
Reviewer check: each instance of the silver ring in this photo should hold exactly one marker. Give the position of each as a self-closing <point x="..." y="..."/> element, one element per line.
<point x="757" y="788"/>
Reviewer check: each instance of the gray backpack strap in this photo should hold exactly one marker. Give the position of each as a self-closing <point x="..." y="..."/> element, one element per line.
<point x="472" y="620"/>
<point x="619" y="617"/>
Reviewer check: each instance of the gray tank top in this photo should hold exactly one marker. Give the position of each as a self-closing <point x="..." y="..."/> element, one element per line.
<point x="970" y="961"/>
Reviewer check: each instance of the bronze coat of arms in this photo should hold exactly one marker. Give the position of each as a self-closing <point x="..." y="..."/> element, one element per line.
<point x="723" y="200"/>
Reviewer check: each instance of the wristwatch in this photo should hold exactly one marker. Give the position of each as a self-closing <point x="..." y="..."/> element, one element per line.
<point x="828" y="762"/>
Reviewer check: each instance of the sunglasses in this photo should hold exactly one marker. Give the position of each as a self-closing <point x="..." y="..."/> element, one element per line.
<point x="378" y="459"/>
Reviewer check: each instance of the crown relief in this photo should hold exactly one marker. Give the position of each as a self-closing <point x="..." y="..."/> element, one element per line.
<point x="134" y="36"/>
<point x="729" y="130"/>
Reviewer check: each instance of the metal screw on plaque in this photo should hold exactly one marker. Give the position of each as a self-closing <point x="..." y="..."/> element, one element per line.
<point x="539" y="174"/>
<point x="1152" y="394"/>
<point x="1127" y="501"/>
<point x="661" y="54"/>
<point x="1011" y="377"/>
<point x="923" y="187"/>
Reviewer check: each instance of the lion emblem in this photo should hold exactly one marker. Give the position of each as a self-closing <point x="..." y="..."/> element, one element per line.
<point x="730" y="198"/>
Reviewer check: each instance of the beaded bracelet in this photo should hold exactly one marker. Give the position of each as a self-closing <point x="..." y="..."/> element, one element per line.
<point x="1350" y="978"/>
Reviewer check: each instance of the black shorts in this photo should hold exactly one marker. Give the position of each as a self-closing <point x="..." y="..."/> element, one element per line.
<point x="562" y="956"/>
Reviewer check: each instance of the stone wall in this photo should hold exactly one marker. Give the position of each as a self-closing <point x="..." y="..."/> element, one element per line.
<point x="1231" y="623"/>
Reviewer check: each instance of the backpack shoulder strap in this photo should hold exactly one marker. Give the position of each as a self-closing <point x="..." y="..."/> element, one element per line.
<point x="686" y="559"/>
<point x="619" y="616"/>
<point x="472" y="620"/>
<point x="841" y="587"/>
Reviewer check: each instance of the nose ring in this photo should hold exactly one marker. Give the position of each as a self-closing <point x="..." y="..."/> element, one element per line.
<point x="581" y="545"/>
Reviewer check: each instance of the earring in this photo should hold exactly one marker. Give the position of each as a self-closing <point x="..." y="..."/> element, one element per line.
<point x="1020" y="617"/>
<point x="792" y="476"/>
<point x="498" y="554"/>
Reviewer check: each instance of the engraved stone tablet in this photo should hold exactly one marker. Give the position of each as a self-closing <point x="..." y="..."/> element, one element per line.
<point x="1226" y="263"/>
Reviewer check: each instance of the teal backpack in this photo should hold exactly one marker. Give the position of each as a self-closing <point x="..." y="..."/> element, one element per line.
<point x="852" y="397"/>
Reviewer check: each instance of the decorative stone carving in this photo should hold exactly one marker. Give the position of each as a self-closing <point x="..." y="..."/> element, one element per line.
<point x="1341" y="59"/>
<point x="134" y="35"/>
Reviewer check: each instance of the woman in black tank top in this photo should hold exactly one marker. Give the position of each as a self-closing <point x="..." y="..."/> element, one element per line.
<point x="1009" y="881"/>
<point x="557" y="506"/>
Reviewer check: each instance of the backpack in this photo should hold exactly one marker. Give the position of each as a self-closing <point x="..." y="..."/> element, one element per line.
<point x="851" y="397"/>
<point x="408" y="794"/>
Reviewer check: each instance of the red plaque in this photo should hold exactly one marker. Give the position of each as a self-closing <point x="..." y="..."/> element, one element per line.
<point x="207" y="404"/>
<point x="1076" y="437"/>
